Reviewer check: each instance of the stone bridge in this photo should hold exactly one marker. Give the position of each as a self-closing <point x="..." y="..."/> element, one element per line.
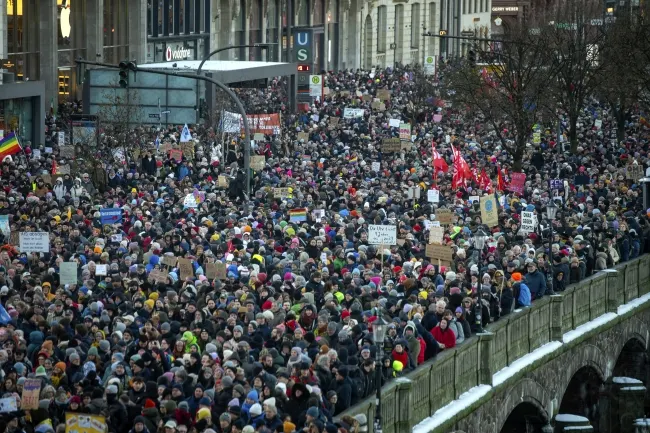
<point x="584" y="352"/>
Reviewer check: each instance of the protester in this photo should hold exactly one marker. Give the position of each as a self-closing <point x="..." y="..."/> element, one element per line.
<point x="200" y="309"/>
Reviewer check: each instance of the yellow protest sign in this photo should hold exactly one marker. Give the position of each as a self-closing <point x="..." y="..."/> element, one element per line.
<point x="79" y="422"/>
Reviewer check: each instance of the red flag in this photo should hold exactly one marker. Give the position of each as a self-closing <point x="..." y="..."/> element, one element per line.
<point x="462" y="172"/>
<point x="501" y="184"/>
<point x="476" y="177"/>
<point x="54" y="167"/>
<point x="439" y="162"/>
<point x="485" y="183"/>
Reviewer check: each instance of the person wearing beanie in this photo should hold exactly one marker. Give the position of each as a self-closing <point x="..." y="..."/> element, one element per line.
<point x="255" y="414"/>
<point x="204" y="414"/>
<point x="58" y="377"/>
<point x="168" y="407"/>
<point x="118" y="415"/>
<point x="270" y="418"/>
<point x="288" y="427"/>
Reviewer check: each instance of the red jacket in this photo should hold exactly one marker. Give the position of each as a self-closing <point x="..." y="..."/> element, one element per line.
<point x="401" y="357"/>
<point x="423" y="348"/>
<point x="446" y="336"/>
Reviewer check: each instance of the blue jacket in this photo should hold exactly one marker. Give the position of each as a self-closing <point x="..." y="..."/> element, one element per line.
<point x="523" y="300"/>
<point x="536" y="281"/>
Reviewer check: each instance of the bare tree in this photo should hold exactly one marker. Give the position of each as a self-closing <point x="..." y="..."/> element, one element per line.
<point x="574" y="39"/>
<point x="507" y="88"/>
<point x="619" y="86"/>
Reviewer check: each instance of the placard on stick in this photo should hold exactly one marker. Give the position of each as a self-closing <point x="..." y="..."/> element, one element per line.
<point x="382" y="235"/>
<point x="221" y="271"/>
<point x="444" y="216"/>
<point x="439" y="252"/>
<point x="211" y="271"/>
<point x="185" y="267"/>
<point x="169" y="260"/>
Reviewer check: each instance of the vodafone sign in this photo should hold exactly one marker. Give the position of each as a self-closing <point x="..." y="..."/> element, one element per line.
<point x="178" y="54"/>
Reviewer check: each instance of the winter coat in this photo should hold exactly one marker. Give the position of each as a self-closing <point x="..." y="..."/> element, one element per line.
<point x="601" y="261"/>
<point x="444" y="336"/>
<point x="536" y="282"/>
<point x="457" y="329"/>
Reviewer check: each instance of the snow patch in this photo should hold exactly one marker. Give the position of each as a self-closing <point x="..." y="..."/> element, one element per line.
<point x="627" y="381"/>
<point x="633" y="388"/>
<point x="589" y="326"/>
<point x="579" y="428"/>
<point x="403" y="380"/>
<point x="633" y="304"/>
<point x="464" y="401"/>
<point x="507" y="372"/>
<point x="567" y="417"/>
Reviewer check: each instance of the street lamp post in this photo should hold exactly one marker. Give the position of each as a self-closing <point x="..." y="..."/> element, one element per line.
<point x="379" y="328"/>
<point x="480" y="238"/>
<point x="247" y="131"/>
<point x="551" y="212"/>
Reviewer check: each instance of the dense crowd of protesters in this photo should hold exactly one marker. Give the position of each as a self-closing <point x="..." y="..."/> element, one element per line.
<point x="284" y="342"/>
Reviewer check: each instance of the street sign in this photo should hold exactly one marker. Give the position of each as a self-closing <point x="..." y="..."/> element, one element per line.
<point x="154" y="116"/>
<point x="467" y="33"/>
<point x="165" y="112"/>
<point x="597" y="22"/>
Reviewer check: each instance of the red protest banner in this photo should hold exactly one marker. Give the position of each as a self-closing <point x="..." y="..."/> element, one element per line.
<point x="517" y="182"/>
<point x="268" y="124"/>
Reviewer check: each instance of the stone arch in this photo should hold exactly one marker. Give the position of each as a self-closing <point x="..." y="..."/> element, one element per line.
<point x="585" y="355"/>
<point x="583" y="393"/>
<point x="524" y="391"/>
<point x="631" y="329"/>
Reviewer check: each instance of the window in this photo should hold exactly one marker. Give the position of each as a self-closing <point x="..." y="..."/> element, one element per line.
<point x="272" y="35"/>
<point x="319" y="10"/>
<point x="415" y="25"/>
<point x="382" y="28"/>
<point x="303" y="13"/>
<point x="432" y="19"/>
<point x="399" y="26"/>
<point x="255" y="29"/>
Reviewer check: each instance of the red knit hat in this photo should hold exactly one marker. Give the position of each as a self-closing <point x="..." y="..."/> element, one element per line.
<point x="345" y="314"/>
<point x="148" y="404"/>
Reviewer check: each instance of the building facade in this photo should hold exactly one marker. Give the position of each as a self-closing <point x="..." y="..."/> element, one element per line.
<point x="40" y="39"/>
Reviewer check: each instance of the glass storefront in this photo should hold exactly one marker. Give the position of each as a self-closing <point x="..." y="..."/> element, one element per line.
<point x="16" y="115"/>
<point x="23" y="39"/>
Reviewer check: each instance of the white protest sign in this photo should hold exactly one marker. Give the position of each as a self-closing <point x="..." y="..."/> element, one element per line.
<point x="68" y="273"/>
<point x="101" y="270"/>
<point x="8" y="404"/>
<point x="436" y="235"/>
<point x="394" y="123"/>
<point x="350" y="113"/>
<point x="190" y="201"/>
<point x="433" y="196"/>
<point x="34" y="242"/>
<point x="382" y="235"/>
<point x="528" y="222"/>
<point x="598" y="123"/>
<point x="376" y="166"/>
<point x="61" y="137"/>
<point x="474" y="199"/>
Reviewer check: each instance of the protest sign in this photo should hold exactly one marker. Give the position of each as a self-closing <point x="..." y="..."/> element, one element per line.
<point x="444" y="216"/>
<point x="221" y="271"/>
<point x="101" y="270"/>
<point x="268" y="124"/>
<point x="437" y="118"/>
<point x="158" y="276"/>
<point x="189" y="202"/>
<point x="258" y="162"/>
<point x="474" y="199"/>
<point x="187" y="148"/>
<point x="4" y="224"/>
<point x="382" y="235"/>
<point x="211" y="271"/>
<point x="375" y="105"/>
<point x="634" y="172"/>
<point x="110" y="216"/>
<point x="334" y="121"/>
<point x="394" y="123"/>
<point x="185" y="267"/>
<point x="383" y="94"/>
<point x="31" y="393"/>
<point x="34" y="242"/>
<point x="68" y="273"/>
<point x="405" y="131"/>
<point x="439" y="252"/>
<point x="436" y="235"/>
<point x="537" y="138"/>
<point x="318" y="214"/>
<point x="517" y="182"/>
<point x="376" y="166"/>
<point x="366" y="98"/>
<point x="389" y="145"/>
<point x="556" y="184"/>
<point x="281" y="192"/>
<point x="433" y="196"/>
<point x="489" y="210"/>
<point x="169" y="260"/>
<point x="79" y="422"/>
<point x="8" y="404"/>
<point x="351" y="113"/>
<point x="598" y="123"/>
<point x="303" y="136"/>
<point x="258" y="137"/>
<point x="222" y="181"/>
<point x="176" y="154"/>
<point x="528" y="222"/>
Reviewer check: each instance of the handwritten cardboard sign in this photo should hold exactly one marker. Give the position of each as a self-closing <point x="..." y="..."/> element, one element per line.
<point x="169" y="261"/>
<point x="389" y="145"/>
<point x="439" y="252"/>
<point x="444" y="216"/>
<point x="185" y="267"/>
<point x="176" y="154"/>
<point x="258" y="162"/>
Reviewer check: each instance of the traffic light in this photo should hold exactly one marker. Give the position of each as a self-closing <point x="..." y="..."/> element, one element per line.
<point x="124" y="74"/>
<point x="471" y="56"/>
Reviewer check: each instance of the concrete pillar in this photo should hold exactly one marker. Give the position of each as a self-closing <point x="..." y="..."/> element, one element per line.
<point x="556" y="317"/>
<point x="486" y="368"/>
<point x="94" y="37"/>
<point x="137" y="13"/>
<point x="221" y="27"/>
<point x="631" y="400"/>
<point x="614" y="292"/>
<point x="562" y="421"/>
<point x="3" y="30"/>
<point x="48" y="49"/>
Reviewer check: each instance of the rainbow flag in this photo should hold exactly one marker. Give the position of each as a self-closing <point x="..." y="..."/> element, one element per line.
<point x="298" y="215"/>
<point x="9" y="146"/>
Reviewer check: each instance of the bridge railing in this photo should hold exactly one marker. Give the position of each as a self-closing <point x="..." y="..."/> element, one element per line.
<point x="443" y="379"/>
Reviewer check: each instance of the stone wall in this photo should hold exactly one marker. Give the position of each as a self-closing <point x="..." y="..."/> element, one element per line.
<point x="440" y="381"/>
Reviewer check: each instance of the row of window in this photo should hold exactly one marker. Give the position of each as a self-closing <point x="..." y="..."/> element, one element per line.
<point x="417" y="25"/>
<point x="475" y="6"/>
